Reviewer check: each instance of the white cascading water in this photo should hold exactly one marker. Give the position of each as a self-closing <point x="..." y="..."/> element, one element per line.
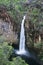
<point x="22" y="36"/>
<point x="22" y="39"/>
<point x="22" y="51"/>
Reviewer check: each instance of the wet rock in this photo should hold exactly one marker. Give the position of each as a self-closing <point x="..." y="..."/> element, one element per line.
<point x="28" y="31"/>
<point x="32" y="36"/>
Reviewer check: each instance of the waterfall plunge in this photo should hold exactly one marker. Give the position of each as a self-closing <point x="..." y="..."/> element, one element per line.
<point x="22" y="36"/>
<point x="22" y="39"/>
<point x="29" y="57"/>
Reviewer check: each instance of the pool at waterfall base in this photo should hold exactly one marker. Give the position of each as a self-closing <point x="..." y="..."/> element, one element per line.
<point x="29" y="57"/>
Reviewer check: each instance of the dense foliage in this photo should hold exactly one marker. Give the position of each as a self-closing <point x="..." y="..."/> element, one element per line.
<point x="5" y="52"/>
<point x="16" y="9"/>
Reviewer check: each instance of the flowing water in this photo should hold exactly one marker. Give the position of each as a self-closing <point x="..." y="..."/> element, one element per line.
<point x="22" y="36"/>
<point x="28" y="56"/>
<point x="22" y="39"/>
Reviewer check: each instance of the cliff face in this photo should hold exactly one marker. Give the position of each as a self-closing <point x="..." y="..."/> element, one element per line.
<point x="28" y="31"/>
<point x="34" y="35"/>
<point x="9" y="29"/>
<point x="34" y="25"/>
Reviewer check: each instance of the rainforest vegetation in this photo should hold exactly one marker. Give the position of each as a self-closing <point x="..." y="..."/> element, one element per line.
<point x="11" y="15"/>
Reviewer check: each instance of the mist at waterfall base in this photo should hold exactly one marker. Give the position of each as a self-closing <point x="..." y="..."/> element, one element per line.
<point x="29" y="57"/>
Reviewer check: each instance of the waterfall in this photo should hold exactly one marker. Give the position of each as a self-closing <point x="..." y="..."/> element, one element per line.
<point x="29" y="56"/>
<point x="22" y="39"/>
<point x="22" y="36"/>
